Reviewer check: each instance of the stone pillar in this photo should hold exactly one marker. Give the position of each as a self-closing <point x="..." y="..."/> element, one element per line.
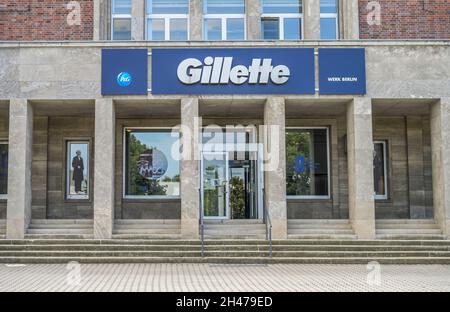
<point x="311" y="16"/>
<point x="195" y="20"/>
<point x="18" y="213"/>
<point x="189" y="169"/>
<point x="137" y="19"/>
<point x="440" y="153"/>
<point x="104" y="168"/>
<point x="102" y="13"/>
<point x="416" y="185"/>
<point x="275" y="166"/>
<point x="360" y="167"/>
<point x="350" y="14"/>
<point x="253" y="12"/>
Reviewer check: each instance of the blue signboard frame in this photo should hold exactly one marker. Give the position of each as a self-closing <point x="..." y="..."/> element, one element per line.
<point x="300" y="62"/>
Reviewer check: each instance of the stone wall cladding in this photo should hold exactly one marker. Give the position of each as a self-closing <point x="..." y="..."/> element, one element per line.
<point x="407" y="19"/>
<point x="44" y="20"/>
<point x="4" y="133"/>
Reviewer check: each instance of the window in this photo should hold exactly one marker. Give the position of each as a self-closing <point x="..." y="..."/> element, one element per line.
<point x="307" y="163"/>
<point x="3" y="169"/>
<point x="151" y="163"/>
<point x="167" y="20"/>
<point x="121" y="20"/>
<point x="380" y="170"/>
<point x="281" y="20"/>
<point x="77" y="172"/>
<point x="328" y="20"/>
<point x="224" y="20"/>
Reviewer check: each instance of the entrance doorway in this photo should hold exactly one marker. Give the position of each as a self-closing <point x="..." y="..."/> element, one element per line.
<point x="231" y="186"/>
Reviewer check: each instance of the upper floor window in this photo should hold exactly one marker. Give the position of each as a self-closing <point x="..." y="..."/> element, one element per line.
<point x="281" y="20"/>
<point x="167" y="19"/>
<point x="121" y="20"/>
<point x="224" y="20"/>
<point x="328" y="19"/>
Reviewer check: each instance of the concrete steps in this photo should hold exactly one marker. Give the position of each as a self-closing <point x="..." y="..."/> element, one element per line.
<point x="235" y="229"/>
<point x="320" y="229"/>
<point x="147" y="228"/>
<point x="408" y="229"/>
<point x="238" y="251"/>
<point x="60" y="228"/>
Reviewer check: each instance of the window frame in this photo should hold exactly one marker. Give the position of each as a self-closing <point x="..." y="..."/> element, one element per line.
<point x="167" y="18"/>
<point x="87" y="163"/>
<point x="281" y="18"/>
<point x="314" y="197"/>
<point x="119" y="16"/>
<point x="336" y="19"/>
<point x="4" y="142"/>
<point x="386" y="171"/>
<point x="223" y="18"/>
<point x="124" y="170"/>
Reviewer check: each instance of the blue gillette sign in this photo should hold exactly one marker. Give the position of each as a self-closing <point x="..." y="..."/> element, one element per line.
<point x="124" y="71"/>
<point x="342" y="71"/>
<point x="233" y="71"/>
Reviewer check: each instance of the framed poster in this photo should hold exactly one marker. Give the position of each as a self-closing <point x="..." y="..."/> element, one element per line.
<point x="77" y="170"/>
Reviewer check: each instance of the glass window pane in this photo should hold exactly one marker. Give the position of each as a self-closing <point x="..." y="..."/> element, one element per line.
<point x="270" y="28"/>
<point x="213" y="29"/>
<point x="155" y="29"/>
<point x="121" y="7"/>
<point x="235" y="29"/>
<point x="328" y="28"/>
<point x="328" y="6"/>
<point x="122" y="29"/>
<point x="77" y="170"/>
<point x="3" y="168"/>
<point x="167" y="6"/>
<point x="306" y="162"/>
<point x="379" y="170"/>
<point x="178" y="29"/>
<point x="224" y="7"/>
<point x="292" y="29"/>
<point x="151" y="168"/>
<point x="281" y="6"/>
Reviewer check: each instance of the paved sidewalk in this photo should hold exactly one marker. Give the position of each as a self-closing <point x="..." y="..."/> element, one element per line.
<point x="208" y="277"/>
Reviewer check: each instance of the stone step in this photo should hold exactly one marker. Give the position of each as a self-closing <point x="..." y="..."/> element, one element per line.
<point x="412" y="237"/>
<point x="233" y="221"/>
<point x="61" y="226"/>
<point x="146" y="221"/>
<point x="409" y="231"/>
<point x="146" y="236"/>
<point x="323" y="236"/>
<point x="318" y="221"/>
<point x="62" y="221"/>
<point x="60" y="231"/>
<point x="231" y="260"/>
<point x="407" y="226"/>
<point x="405" y="221"/>
<point x="175" y="231"/>
<point x="54" y="237"/>
<point x="338" y="226"/>
<point x="321" y="231"/>
<point x="219" y="236"/>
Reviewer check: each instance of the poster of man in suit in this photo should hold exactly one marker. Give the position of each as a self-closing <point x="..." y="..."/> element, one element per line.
<point x="78" y="175"/>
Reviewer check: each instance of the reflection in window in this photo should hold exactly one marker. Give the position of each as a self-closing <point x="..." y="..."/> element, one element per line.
<point x="380" y="170"/>
<point x="328" y="20"/>
<point x="151" y="168"/>
<point x="3" y="168"/>
<point x="281" y="19"/>
<point x="224" y="20"/>
<point x="167" y="20"/>
<point x="121" y="20"/>
<point x="307" y="162"/>
<point x="77" y="170"/>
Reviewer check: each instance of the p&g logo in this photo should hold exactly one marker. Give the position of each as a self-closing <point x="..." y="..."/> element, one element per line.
<point x="124" y="79"/>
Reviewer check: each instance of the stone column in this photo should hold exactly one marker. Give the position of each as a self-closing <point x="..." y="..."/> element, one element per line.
<point x="253" y="12"/>
<point x="104" y="169"/>
<point x="440" y="153"/>
<point x="189" y="169"/>
<point x="360" y="167"/>
<point x="137" y="19"/>
<point x="275" y="166"/>
<point x="102" y="12"/>
<point x="18" y="213"/>
<point x="195" y="20"/>
<point x="416" y="185"/>
<point x="350" y="14"/>
<point x="311" y="16"/>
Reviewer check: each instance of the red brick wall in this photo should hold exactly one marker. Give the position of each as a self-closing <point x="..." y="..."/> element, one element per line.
<point x="407" y="19"/>
<point x="43" y="20"/>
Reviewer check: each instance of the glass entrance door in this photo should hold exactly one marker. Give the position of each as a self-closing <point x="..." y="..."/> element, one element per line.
<point x="215" y="187"/>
